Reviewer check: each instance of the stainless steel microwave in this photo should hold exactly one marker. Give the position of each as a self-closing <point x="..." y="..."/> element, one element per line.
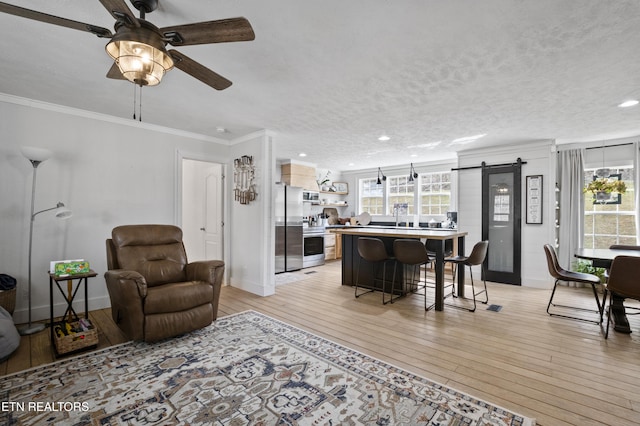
<point x="311" y="196"/>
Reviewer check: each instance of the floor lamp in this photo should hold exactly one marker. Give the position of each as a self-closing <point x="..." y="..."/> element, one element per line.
<point x="37" y="156"/>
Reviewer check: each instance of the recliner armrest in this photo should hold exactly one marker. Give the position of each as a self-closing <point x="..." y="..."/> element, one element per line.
<point x="125" y="280"/>
<point x="210" y="271"/>
<point x="127" y="291"/>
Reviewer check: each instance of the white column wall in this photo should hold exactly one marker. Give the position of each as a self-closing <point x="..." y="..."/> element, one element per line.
<point x="252" y="225"/>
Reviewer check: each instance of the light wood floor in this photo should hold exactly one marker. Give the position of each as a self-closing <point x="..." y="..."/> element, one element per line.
<point x="562" y="372"/>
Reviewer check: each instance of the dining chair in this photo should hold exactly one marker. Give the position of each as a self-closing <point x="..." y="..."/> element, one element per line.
<point x="619" y="313"/>
<point x="607" y="265"/>
<point x="561" y="274"/>
<point x="413" y="254"/>
<point x="477" y="256"/>
<point x="373" y="251"/>
<point x="623" y="280"/>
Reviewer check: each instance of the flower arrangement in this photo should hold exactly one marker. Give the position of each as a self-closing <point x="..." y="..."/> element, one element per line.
<point x="606" y="185"/>
<point x="322" y="181"/>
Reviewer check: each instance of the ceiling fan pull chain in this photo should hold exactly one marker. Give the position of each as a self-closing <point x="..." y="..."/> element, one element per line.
<point x="134" y="101"/>
<point x="140" y="107"/>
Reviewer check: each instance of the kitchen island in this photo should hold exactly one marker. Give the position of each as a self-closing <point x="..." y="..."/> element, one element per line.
<point x="351" y="258"/>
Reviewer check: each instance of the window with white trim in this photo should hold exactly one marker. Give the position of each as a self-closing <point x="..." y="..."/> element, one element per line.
<point x="401" y="191"/>
<point x="435" y="193"/>
<point x="371" y="197"/>
<point x="428" y="194"/>
<point x="607" y="224"/>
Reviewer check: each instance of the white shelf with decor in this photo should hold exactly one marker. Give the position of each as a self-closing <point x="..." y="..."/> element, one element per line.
<point x="328" y="204"/>
<point x="336" y="189"/>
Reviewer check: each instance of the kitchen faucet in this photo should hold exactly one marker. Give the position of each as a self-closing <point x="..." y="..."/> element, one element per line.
<point x="397" y="207"/>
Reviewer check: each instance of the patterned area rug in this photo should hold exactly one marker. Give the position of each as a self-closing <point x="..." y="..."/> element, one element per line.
<point x="245" y="369"/>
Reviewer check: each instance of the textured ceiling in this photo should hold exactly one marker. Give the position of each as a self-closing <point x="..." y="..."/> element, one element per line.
<point x="330" y="77"/>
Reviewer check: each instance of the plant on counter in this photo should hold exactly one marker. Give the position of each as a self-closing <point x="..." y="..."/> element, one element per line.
<point x="606" y="185"/>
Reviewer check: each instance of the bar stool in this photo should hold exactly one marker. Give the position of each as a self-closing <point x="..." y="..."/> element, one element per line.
<point x="414" y="254"/>
<point x="434" y="245"/>
<point x="476" y="257"/>
<point x="373" y="251"/>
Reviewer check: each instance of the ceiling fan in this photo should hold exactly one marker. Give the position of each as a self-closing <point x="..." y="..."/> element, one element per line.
<point x="138" y="47"/>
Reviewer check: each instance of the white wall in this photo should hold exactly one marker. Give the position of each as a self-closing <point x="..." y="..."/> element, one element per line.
<point x="252" y="225"/>
<point x="109" y="171"/>
<point x="540" y="159"/>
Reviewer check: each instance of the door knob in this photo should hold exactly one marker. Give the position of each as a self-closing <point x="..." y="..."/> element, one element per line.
<point x="202" y="229"/>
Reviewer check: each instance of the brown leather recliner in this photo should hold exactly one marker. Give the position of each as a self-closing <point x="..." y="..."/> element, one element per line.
<point x="155" y="293"/>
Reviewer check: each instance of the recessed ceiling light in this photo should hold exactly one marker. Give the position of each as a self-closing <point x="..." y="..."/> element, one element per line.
<point x="467" y="139"/>
<point x="629" y="103"/>
<point x="426" y="145"/>
<point x="302" y="154"/>
<point x="414" y="155"/>
<point x="384" y="138"/>
<point x="221" y="129"/>
<point x="351" y="164"/>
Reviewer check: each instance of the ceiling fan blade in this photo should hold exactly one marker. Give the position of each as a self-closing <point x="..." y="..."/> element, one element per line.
<point x="56" y="20"/>
<point x="121" y="12"/>
<point x="199" y="71"/>
<point x="114" y="72"/>
<point x="220" y="31"/>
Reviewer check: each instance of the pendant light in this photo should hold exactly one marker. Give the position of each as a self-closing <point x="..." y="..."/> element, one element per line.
<point x="412" y="173"/>
<point x="379" y="182"/>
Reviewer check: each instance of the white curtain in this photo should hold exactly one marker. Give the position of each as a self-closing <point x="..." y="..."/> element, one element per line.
<point x="636" y="186"/>
<point x="570" y="175"/>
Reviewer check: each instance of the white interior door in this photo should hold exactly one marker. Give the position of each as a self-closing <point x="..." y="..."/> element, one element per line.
<point x="202" y="209"/>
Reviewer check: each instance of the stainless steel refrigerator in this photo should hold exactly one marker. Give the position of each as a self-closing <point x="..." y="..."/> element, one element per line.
<point x="289" y="239"/>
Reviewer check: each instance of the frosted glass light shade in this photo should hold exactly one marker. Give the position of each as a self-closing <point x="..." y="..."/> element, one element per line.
<point x="140" y="63"/>
<point x="63" y="213"/>
<point x="140" y="54"/>
<point x="35" y="154"/>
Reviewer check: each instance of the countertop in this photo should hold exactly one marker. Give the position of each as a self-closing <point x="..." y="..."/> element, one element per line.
<point x="388" y="227"/>
<point x="402" y="232"/>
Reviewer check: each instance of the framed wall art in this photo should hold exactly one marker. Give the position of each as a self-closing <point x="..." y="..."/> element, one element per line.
<point x="341" y="187"/>
<point x="244" y="172"/>
<point x="534" y="199"/>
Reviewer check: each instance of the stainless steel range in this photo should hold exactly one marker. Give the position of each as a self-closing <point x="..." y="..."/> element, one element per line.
<point x="313" y="237"/>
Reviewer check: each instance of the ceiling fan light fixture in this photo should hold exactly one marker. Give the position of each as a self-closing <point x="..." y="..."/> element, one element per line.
<point x="140" y="54"/>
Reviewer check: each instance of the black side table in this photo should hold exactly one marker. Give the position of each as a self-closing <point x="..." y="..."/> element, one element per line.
<point x="69" y="314"/>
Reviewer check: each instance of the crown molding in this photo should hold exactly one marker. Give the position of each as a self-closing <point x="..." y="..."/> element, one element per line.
<point x="33" y="103"/>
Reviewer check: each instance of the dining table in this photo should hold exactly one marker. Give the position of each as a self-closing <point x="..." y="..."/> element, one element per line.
<point x="603" y="258"/>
